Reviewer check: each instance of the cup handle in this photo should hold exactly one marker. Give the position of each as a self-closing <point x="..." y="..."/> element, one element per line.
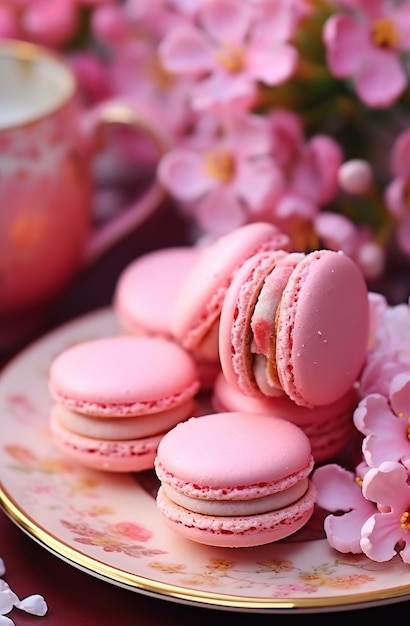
<point x="129" y="218"/>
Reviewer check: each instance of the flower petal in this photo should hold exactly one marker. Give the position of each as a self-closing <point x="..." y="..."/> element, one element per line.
<point x="272" y="64"/>
<point x="34" y="604"/>
<point x="185" y="51"/>
<point x="182" y="172"/>
<point x="380" y="80"/>
<point x="226" y="20"/>
<point x="346" y="41"/>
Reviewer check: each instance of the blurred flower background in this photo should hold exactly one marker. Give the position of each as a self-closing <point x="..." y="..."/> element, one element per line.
<point x="291" y="111"/>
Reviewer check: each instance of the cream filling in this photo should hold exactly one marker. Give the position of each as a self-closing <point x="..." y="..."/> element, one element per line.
<point x="230" y="508"/>
<point x="122" y="428"/>
<point x="265" y="382"/>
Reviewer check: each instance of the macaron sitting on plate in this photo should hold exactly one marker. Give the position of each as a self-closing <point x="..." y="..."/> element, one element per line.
<point x="115" y="398"/>
<point x="145" y="294"/>
<point x="295" y="324"/>
<point x="235" y="479"/>
<point x="146" y="289"/>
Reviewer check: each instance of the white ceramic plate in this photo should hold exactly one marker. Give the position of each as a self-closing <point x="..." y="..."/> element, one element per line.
<point x="107" y="525"/>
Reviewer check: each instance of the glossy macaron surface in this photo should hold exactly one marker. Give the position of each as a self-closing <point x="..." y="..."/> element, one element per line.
<point x="147" y="287"/>
<point x="235" y="479"/>
<point x="243" y="454"/>
<point x="123" y="375"/>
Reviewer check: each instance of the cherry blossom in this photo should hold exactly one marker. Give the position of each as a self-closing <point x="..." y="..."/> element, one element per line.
<point x="227" y="57"/>
<point x="389" y="350"/>
<point x="386" y="532"/>
<point x="310" y="169"/>
<point x="385" y="422"/>
<point x="224" y="175"/>
<point x="339" y="491"/>
<point x="366" y="44"/>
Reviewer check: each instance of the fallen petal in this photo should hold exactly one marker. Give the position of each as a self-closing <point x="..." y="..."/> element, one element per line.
<point x="34" y="604"/>
<point x="7" y="598"/>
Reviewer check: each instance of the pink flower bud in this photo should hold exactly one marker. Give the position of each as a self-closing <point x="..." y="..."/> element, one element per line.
<point x="355" y="177"/>
<point x="371" y="258"/>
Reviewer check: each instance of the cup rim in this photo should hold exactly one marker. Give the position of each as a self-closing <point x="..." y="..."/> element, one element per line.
<point x="28" y="51"/>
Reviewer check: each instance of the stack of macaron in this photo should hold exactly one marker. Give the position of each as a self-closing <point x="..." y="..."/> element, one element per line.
<point x="235" y="479"/>
<point x="115" y="397"/>
<point x="276" y="338"/>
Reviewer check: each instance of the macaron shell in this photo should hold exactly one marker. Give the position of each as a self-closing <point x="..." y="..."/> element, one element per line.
<point x="146" y="289"/>
<point x="200" y="299"/>
<point x="235" y="332"/>
<point x="204" y="457"/>
<point x="236" y="532"/>
<point x="110" y="456"/>
<point x="322" y="328"/>
<point x="123" y="375"/>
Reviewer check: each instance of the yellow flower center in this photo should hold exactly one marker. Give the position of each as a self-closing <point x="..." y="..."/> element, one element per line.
<point x="158" y="74"/>
<point x="220" y="164"/>
<point x="385" y="33"/>
<point x="359" y="481"/>
<point x="405" y="521"/>
<point x="231" y="57"/>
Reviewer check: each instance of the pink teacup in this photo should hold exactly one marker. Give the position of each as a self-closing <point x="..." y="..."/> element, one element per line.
<point x="47" y="144"/>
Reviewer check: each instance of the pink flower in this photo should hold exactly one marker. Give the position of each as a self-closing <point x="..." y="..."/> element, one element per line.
<point x="310" y="169"/>
<point x="224" y="174"/>
<point x="225" y="57"/>
<point x="366" y="45"/>
<point x="397" y="194"/>
<point x="386" y="532"/>
<point x="131" y="530"/>
<point x="338" y="491"/>
<point x="385" y="422"/>
<point x="389" y="350"/>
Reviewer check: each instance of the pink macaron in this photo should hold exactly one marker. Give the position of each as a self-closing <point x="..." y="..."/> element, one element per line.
<point x="330" y="427"/>
<point x="295" y="324"/>
<point x="144" y="299"/>
<point x="115" y="397"/>
<point x="198" y="305"/>
<point x="235" y="479"/>
<point x="146" y="289"/>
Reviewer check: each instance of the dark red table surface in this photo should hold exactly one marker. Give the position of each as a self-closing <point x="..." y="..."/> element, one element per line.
<point x="75" y="597"/>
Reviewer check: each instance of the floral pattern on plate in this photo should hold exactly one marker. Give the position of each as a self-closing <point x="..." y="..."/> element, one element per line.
<point x="107" y="524"/>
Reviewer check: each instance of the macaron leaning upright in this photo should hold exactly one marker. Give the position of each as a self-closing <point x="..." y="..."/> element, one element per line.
<point x="295" y="324"/>
<point x="115" y="397"/>
<point x="197" y="307"/>
<point x="235" y="479"/>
